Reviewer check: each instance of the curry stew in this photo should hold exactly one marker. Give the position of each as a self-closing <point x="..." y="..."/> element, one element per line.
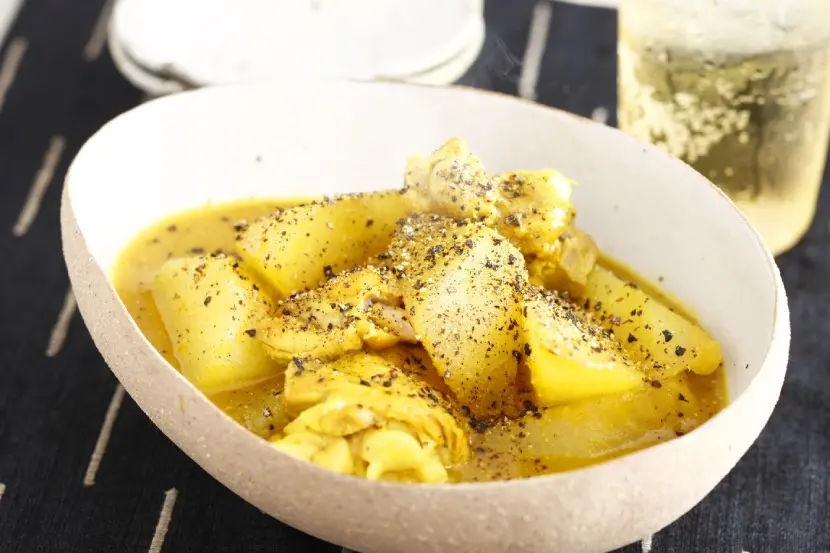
<point x="459" y="329"/>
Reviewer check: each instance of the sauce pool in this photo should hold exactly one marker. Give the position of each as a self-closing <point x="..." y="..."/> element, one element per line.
<point x="563" y="438"/>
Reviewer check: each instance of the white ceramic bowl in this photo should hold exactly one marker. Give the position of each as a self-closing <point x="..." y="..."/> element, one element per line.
<point x="301" y="138"/>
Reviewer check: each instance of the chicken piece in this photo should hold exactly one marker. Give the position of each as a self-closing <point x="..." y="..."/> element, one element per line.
<point x="569" y="358"/>
<point x="331" y="452"/>
<point x="415" y="360"/>
<point x="461" y="284"/>
<point x="396" y="426"/>
<point x="358" y="307"/>
<point x="568" y="268"/>
<point x="530" y="208"/>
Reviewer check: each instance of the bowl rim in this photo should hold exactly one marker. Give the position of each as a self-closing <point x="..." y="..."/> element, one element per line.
<point x="780" y="322"/>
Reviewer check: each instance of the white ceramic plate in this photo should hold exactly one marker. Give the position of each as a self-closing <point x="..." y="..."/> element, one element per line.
<point x="167" y="82"/>
<point x="222" y="41"/>
<point x="611" y="4"/>
<point x="322" y="137"/>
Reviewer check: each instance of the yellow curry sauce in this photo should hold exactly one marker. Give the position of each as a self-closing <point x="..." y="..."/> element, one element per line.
<point x="540" y="440"/>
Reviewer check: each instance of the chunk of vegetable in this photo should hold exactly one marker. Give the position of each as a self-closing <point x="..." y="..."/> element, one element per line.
<point x="570" y="359"/>
<point x="299" y="248"/>
<point x="209" y="307"/>
<point x="649" y="329"/>
<point x="586" y="432"/>
<point x="462" y="283"/>
<point x="259" y="407"/>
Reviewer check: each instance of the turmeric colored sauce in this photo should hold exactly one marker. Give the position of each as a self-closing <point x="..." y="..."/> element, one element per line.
<point x="539" y="441"/>
<point x="205" y="230"/>
<point x="714" y="385"/>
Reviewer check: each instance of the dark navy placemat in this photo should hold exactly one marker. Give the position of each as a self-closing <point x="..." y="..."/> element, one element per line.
<point x="61" y="490"/>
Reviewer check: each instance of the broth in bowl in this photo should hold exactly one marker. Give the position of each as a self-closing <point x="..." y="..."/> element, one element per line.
<point x="462" y="328"/>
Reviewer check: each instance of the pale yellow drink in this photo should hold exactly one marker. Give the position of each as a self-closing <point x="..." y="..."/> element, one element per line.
<point x="740" y="90"/>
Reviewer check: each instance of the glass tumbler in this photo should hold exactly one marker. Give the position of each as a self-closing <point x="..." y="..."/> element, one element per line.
<point x="738" y="89"/>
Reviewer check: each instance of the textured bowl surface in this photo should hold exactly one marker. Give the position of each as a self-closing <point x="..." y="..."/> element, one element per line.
<point x="295" y="139"/>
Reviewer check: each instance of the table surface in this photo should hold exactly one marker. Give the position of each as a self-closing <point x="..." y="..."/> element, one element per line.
<point x="57" y="86"/>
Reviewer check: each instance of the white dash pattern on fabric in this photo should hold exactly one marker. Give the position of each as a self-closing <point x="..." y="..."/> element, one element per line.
<point x="2" y="490"/>
<point x="164" y="520"/>
<point x="104" y="435"/>
<point x="98" y="38"/>
<point x="535" y="49"/>
<point x="61" y="328"/>
<point x="11" y="63"/>
<point x="646" y="544"/>
<point x="41" y="182"/>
